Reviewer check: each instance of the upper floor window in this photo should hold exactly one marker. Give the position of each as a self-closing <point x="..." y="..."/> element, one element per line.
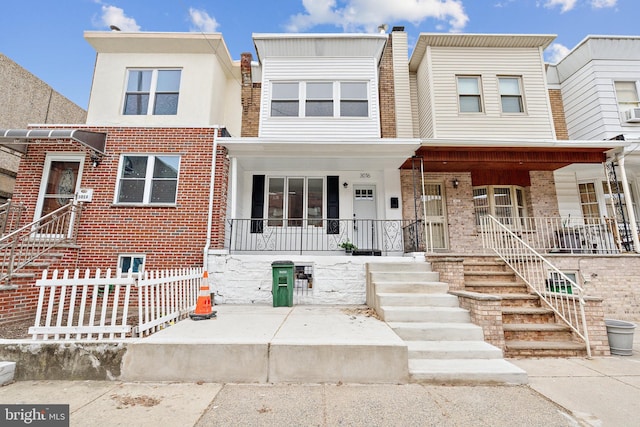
<point x="511" y="94"/>
<point x="319" y="99"/>
<point x="148" y="179"/>
<point x="469" y="94"/>
<point x="627" y="94"/>
<point x="152" y="92"/>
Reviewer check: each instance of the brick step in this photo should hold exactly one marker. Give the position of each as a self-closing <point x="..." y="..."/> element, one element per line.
<point x="515" y="348"/>
<point x="536" y="332"/>
<point x="492" y="287"/>
<point x="527" y="315"/>
<point x="520" y="300"/>
<point x="500" y="276"/>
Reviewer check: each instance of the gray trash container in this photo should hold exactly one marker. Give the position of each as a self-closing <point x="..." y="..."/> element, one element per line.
<point x="620" y="334"/>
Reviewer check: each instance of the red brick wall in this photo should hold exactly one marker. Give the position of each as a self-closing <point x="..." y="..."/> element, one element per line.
<point x="171" y="237"/>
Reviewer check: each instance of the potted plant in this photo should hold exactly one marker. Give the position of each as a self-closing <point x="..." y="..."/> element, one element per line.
<point x="348" y="246"/>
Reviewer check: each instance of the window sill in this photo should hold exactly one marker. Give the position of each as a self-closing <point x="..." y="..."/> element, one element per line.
<point x="143" y="205"/>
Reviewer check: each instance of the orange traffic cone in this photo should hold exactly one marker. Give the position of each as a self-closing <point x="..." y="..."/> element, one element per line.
<point x="203" y="305"/>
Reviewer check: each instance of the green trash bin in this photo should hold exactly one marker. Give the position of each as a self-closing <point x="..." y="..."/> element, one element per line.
<point x="282" y="290"/>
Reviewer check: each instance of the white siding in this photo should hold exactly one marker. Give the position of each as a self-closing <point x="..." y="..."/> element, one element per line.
<point x="413" y="81"/>
<point x="590" y="100"/>
<point x="425" y="100"/>
<point x="488" y="63"/>
<point x="203" y="90"/>
<point x="320" y="69"/>
<point x="402" y="91"/>
<point x="568" y="194"/>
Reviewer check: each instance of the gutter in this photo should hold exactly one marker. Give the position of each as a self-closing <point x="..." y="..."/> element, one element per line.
<point x="207" y="244"/>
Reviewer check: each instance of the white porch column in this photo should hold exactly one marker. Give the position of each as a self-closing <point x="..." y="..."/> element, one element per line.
<point x="629" y="204"/>
<point x="234" y="187"/>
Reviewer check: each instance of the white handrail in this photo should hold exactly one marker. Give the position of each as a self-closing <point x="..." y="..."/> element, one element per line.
<point x="534" y="270"/>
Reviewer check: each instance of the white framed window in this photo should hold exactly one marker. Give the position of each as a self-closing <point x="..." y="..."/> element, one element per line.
<point x="589" y="200"/>
<point x="295" y="201"/>
<point x="148" y="179"/>
<point x="131" y="262"/>
<point x="627" y="95"/>
<point x="511" y="94"/>
<point x="469" y="94"/>
<point x="320" y="99"/>
<point x="152" y="92"/>
<point x="505" y="202"/>
<point x="559" y="284"/>
<point x="285" y="99"/>
<point x="354" y="100"/>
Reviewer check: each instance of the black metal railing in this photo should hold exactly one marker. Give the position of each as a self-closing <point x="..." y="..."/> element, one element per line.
<point x="370" y="236"/>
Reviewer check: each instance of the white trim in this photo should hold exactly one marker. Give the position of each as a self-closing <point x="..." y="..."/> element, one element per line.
<point x="57" y="157"/>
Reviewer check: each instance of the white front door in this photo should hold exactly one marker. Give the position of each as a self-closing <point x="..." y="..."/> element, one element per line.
<point x="60" y="182"/>
<point x="435" y="220"/>
<point x="365" y="236"/>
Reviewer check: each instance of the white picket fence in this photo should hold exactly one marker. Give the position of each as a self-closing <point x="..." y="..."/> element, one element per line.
<point x="108" y="307"/>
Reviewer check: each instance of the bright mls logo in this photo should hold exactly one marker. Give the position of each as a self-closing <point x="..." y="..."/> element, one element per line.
<point x="34" y="415"/>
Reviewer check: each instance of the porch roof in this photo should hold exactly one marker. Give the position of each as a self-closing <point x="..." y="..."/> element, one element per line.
<point x="541" y="155"/>
<point x="18" y="138"/>
<point x="308" y="154"/>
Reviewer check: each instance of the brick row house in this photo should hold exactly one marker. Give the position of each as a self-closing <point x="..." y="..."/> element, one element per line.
<point x="321" y="141"/>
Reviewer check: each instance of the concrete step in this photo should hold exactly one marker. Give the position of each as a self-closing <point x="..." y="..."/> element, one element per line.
<point x="424" y="314"/>
<point x="514" y="348"/>
<point x="466" y="371"/>
<point x="452" y="350"/>
<point x="413" y="287"/>
<point x="433" y="331"/>
<point x="405" y="276"/>
<point x="399" y="267"/>
<point x="407" y="299"/>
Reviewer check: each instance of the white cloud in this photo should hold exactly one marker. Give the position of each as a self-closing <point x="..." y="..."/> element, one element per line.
<point x="112" y="15"/>
<point x="565" y="5"/>
<point x="556" y="52"/>
<point x="599" y="4"/>
<point x="354" y="15"/>
<point x="201" y="21"/>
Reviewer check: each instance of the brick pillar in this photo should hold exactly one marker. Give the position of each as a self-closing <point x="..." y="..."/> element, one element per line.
<point x="557" y="112"/>
<point x="250" y="96"/>
<point x="386" y="93"/>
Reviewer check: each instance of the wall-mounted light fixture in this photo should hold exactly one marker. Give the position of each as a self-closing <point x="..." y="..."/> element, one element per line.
<point x="95" y="160"/>
<point x="455" y="182"/>
<point x="345" y="184"/>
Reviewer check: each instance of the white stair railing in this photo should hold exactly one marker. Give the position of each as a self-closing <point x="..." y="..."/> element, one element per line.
<point x="536" y="271"/>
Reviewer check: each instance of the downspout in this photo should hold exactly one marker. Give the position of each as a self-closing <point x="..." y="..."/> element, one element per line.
<point x="629" y="204"/>
<point x="207" y="244"/>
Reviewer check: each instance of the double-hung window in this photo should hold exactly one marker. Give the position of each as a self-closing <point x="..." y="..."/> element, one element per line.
<point x="511" y="94"/>
<point x="354" y="101"/>
<point x="627" y="95"/>
<point x="285" y="99"/>
<point x="469" y="94"/>
<point x="148" y="179"/>
<point x="319" y="99"/>
<point x="292" y="200"/>
<point x="152" y="92"/>
<point x="506" y="203"/>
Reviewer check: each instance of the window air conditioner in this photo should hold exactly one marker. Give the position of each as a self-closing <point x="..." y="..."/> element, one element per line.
<point x="632" y="115"/>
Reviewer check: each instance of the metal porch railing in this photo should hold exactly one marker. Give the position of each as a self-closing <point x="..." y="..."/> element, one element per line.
<point x="574" y="235"/>
<point x="539" y="275"/>
<point x="375" y="237"/>
<point x="24" y="245"/>
<point x="10" y="214"/>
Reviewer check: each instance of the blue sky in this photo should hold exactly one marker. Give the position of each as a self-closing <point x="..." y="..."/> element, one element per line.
<point x="46" y="36"/>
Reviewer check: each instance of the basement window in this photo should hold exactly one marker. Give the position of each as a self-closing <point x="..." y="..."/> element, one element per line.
<point x="557" y="283"/>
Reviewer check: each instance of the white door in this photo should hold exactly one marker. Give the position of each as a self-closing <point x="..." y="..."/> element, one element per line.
<point x="365" y="234"/>
<point x="60" y="182"/>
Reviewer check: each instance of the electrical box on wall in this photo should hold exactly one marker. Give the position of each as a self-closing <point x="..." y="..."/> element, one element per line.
<point x="395" y="203"/>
